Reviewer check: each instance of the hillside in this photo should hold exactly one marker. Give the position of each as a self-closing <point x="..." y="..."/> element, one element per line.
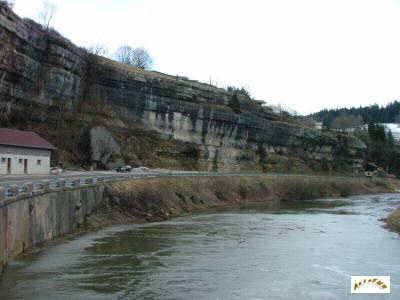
<point x="373" y="113"/>
<point x="97" y="111"/>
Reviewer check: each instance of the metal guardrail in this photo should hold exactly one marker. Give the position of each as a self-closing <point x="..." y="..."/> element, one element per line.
<point x="27" y="189"/>
<point x="19" y="191"/>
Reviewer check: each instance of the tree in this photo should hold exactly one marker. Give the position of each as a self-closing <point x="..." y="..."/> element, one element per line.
<point x="234" y="103"/>
<point x="142" y="59"/>
<point x="5" y="111"/>
<point x="346" y="121"/>
<point x="124" y="54"/>
<point x="244" y="92"/>
<point x="397" y="119"/>
<point x="47" y="13"/>
<point x="7" y="3"/>
<point x="390" y="139"/>
<point x="98" y="49"/>
<point x="308" y="122"/>
<point x="372" y="130"/>
<point x="138" y="57"/>
<point x="375" y="113"/>
<point x="382" y="148"/>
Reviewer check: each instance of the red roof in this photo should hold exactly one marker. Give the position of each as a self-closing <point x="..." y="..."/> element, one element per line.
<point x="27" y="139"/>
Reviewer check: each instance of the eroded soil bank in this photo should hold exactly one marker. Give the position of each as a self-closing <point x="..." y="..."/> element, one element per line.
<point x="297" y="250"/>
<point x="32" y="221"/>
<point x="393" y="221"/>
<point x="163" y="198"/>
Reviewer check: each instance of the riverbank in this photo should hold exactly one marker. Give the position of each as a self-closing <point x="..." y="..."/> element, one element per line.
<point x="163" y="198"/>
<point x="228" y="255"/>
<point x="393" y="221"/>
<point x="30" y="221"/>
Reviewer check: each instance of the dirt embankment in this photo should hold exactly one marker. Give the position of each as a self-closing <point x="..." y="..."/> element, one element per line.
<point x="393" y="221"/>
<point x="162" y="198"/>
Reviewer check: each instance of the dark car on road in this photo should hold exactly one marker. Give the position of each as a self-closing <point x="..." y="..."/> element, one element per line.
<point x="124" y="169"/>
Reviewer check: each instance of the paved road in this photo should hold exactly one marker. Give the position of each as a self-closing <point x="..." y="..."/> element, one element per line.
<point x="17" y="179"/>
<point x="8" y="180"/>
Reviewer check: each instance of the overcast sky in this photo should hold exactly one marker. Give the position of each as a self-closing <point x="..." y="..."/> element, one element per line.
<point x="304" y="54"/>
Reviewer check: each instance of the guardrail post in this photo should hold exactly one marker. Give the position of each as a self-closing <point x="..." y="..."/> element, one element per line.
<point x="76" y="182"/>
<point x="91" y="181"/>
<point x="46" y="186"/>
<point x="13" y="190"/>
<point x="62" y="184"/>
<point x="2" y="194"/>
<point x="28" y="188"/>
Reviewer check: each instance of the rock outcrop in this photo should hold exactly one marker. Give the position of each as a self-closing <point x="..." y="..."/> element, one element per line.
<point x="104" y="149"/>
<point x="179" y="122"/>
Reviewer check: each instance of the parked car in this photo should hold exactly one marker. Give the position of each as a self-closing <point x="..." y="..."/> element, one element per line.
<point x="56" y="171"/>
<point x="124" y="169"/>
<point x="142" y="169"/>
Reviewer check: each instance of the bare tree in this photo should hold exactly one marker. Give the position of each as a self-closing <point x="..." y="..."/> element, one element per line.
<point x="142" y="58"/>
<point x="98" y="49"/>
<point x="46" y="14"/>
<point x="307" y="121"/>
<point x="5" y="111"/>
<point x="124" y="54"/>
<point x="8" y="3"/>
<point x="347" y="122"/>
<point x="138" y="57"/>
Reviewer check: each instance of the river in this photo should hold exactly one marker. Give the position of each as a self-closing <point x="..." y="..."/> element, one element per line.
<point x="303" y="250"/>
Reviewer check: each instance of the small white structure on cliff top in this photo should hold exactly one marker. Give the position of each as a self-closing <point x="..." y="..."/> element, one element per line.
<point x="394" y="128"/>
<point x="23" y="152"/>
<point x="318" y="125"/>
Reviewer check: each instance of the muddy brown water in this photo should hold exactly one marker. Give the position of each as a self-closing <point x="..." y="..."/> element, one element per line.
<point x="304" y="250"/>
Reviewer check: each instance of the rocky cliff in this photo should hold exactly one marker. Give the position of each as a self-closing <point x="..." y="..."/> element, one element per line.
<point x="80" y="102"/>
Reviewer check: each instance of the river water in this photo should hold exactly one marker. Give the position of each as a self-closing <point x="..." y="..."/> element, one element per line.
<point x="305" y="250"/>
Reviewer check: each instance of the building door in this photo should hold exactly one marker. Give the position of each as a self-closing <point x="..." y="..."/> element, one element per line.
<point x="9" y="165"/>
<point x="25" y="166"/>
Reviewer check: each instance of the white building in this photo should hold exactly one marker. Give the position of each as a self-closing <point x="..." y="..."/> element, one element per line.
<point x="394" y="128"/>
<point x="23" y="152"/>
<point x="318" y="125"/>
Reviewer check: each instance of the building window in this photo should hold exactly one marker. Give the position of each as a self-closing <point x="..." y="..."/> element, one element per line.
<point x="38" y="162"/>
<point x="20" y="160"/>
<point x="3" y="159"/>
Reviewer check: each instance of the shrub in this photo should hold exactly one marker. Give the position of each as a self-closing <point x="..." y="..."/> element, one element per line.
<point x="234" y="103"/>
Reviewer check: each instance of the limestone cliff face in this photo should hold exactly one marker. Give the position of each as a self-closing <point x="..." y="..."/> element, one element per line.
<point x="44" y="70"/>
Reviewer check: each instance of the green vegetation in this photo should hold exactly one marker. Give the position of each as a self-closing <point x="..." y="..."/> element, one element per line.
<point x="234" y="103"/>
<point x="69" y="131"/>
<point x="7" y="4"/>
<point x="239" y="91"/>
<point x="240" y="99"/>
<point x="381" y="148"/>
<point x="373" y="113"/>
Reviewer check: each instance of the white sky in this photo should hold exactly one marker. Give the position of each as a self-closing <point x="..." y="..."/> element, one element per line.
<point x="306" y="55"/>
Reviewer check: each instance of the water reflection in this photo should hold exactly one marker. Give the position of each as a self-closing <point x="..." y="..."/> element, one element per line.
<point x="301" y="250"/>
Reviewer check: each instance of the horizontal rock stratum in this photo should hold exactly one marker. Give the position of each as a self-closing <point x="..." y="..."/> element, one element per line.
<point x="51" y="86"/>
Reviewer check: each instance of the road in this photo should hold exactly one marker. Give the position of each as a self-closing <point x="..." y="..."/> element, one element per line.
<point x="19" y="179"/>
<point x="7" y="180"/>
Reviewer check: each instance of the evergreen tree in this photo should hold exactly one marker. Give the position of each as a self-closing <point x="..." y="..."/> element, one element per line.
<point x="234" y="103"/>
<point x="390" y="139"/>
<point x="372" y="130"/>
<point x="381" y="148"/>
<point x="375" y="113"/>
